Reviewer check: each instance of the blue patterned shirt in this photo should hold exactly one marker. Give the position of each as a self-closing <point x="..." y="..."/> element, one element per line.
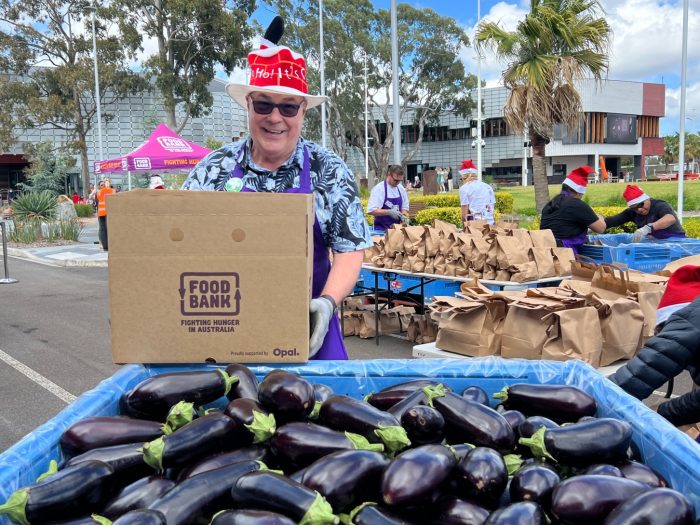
<point x="336" y="199"/>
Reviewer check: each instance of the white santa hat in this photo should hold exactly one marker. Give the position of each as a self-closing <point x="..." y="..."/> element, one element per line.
<point x="682" y="288"/>
<point x="156" y="183"/>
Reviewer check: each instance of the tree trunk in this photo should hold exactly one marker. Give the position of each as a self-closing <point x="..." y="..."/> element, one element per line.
<point x="539" y="171"/>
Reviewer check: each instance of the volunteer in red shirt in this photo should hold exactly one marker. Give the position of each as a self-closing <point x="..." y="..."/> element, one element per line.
<point x="568" y="216"/>
<point x="651" y="216"/>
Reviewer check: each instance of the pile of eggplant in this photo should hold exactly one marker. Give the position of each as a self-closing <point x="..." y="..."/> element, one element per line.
<point x="285" y="451"/>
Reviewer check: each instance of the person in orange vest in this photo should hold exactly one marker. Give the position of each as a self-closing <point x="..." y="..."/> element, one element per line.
<point x="102" y="213"/>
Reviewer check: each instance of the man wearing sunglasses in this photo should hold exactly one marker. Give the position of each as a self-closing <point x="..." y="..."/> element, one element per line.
<point x="274" y="157"/>
<point x="388" y="200"/>
<point x="651" y="216"/>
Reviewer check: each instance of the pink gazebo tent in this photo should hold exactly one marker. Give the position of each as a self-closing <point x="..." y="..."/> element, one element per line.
<point x="163" y="150"/>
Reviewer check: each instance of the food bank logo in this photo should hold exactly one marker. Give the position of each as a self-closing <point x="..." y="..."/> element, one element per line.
<point x="174" y="144"/>
<point x="210" y="293"/>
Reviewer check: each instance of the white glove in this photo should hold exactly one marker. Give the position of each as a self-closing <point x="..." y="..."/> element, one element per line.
<point x="405" y="220"/>
<point x="321" y="310"/>
<point x="641" y="233"/>
<point x="395" y="214"/>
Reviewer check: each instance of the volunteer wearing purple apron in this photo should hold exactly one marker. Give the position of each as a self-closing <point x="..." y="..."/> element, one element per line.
<point x="651" y="216"/>
<point x="275" y="158"/>
<point x="568" y="216"/>
<point x="388" y="200"/>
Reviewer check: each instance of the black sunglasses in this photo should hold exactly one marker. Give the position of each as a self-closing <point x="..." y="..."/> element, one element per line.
<point x="286" y="109"/>
<point x="638" y="205"/>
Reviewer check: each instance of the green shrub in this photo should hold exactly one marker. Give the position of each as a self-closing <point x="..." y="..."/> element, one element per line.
<point x="609" y="211"/>
<point x="84" y="210"/>
<point x="64" y="230"/>
<point x="448" y="214"/>
<point x="505" y="203"/>
<point x="692" y="227"/>
<point x="24" y="232"/>
<point x="39" y="206"/>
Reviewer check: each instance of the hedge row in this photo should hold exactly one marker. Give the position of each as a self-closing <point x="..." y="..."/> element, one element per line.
<point x="504" y="201"/>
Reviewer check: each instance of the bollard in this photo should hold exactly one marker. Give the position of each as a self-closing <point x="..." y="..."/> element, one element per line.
<point x="7" y="279"/>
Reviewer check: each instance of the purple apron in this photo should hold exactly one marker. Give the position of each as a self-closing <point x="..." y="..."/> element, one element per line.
<point x="385" y="222"/>
<point x="574" y="243"/>
<point x="664" y="234"/>
<point x="333" y="346"/>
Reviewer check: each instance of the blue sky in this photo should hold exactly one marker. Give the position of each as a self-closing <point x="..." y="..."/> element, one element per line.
<point x="646" y="44"/>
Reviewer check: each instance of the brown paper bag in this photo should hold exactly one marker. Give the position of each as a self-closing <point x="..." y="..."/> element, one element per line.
<point x="475" y="290"/>
<point x="442" y="226"/>
<point x="490" y="272"/>
<point x="379" y="261"/>
<point x="544" y="261"/>
<point x="621" y="325"/>
<point x="440" y="265"/>
<point x="468" y="327"/>
<point x="351" y="323"/>
<point x="416" y="263"/>
<point x="573" y="334"/>
<point x="506" y="225"/>
<point x="397" y="263"/>
<point x="432" y="241"/>
<point x="562" y="260"/>
<point x="583" y="268"/>
<point x="523" y="236"/>
<point x="648" y="302"/>
<point x="415" y="328"/>
<point x="523" y="332"/>
<point x="543" y="239"/>
<point x="447" y="241"/>
<point x="366" y="321"/>
<point x="475" y="274"/>
<point x="430" y="331"/>
<point x="473" y="229"/>
<point x="480" y="249"/>
<point x="523" y="272"/>
<point x="502" y="275"/>
<point x="393" y="243"/>
<point x="509" y="252"/>
<point x="413" y="240"/>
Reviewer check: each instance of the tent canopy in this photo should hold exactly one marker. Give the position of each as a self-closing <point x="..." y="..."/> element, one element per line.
<point x="163" y="150"/>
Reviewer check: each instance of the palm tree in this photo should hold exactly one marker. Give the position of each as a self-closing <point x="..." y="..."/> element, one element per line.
<point x="558" y="42"/>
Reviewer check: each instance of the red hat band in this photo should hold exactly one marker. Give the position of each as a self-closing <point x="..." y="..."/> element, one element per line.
<point x="278" y="66"/>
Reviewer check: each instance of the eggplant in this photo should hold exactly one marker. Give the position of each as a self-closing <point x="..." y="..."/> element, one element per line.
<point x="414" y="477"/>
<point x="69" y="493"/>
<point x="351" y="415"/>
<point x="476" y="394"/>
<point x="288" y="396"/>
<point x="194" y="500"/>
<point x="604" y="469"/>
<point x="413" y="384"/>
<point x="371" y="514"/>
<point x="460" y="450"/>
<point x="522" y="513"/>
<point x="386" y="400"/>
<point x="346" y="478"/>
<point x="138" y="495"/>
<point x="247" y="385"/>
<point x="95" y="519"/>
<point x="256" y="452"/>
<point x="423" y="425"/>
<point x="641" y="472"/>
<point x="255" y="424"/>
<point x="322" y="392"/>
<point x="515" y="418"/>
<point x="561" y="403"/>
<point x="126" y="461"/>
<point x="534" y="483"/>
<point x="141" y="517"/>
<point x="105" y="431"/>
<point x="455" y="511"/>
<point x="601" y="440"/>
<point x="277" y="493"/>
<point x="589" y="498"/>
<point x="297" y="445"/>
<point x="482" y="475"/>
<point x="660" y="506"/>
<point x="202" y="437"/>
<point x="533" y="423"/>
<point x="152" y="398"/>
<point x="475" y="423"/>
<point x="422" y="396"/>
<point x="250" y="517"/>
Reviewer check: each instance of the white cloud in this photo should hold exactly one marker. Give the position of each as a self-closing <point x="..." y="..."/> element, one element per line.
<point x="646" y="47"/>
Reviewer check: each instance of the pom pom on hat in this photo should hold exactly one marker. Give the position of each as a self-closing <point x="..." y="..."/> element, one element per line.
<point x="467" y="168"/>
<point x="634" y="195"/>
<point x="577" y="179"/>
<point x="682" y="288"/>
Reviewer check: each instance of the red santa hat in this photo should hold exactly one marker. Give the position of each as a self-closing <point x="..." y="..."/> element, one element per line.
<point x="467" y="168"/>
<point x="634" y="195"/>
<point x="577" y="179"/>
<point x="275" y="69"/>
<point x="682" y="288"/>
<point x="156" y="183"/>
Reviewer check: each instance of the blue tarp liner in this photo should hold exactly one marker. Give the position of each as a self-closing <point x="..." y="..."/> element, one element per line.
<point x="650" y="255"/>
<point x="664" y="448"/>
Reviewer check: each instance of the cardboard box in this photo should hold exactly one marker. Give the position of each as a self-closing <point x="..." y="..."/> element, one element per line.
<point x="201" y="276"/>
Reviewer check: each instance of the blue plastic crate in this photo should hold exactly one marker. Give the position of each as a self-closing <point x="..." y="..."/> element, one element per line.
<point x="664" y="448"/>
<point x="647" y="256"/>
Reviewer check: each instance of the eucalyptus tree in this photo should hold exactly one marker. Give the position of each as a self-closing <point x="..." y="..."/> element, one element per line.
<point x="432" y="77"/>
<point x="558" y="42"/>
<point x="47" y="72"/>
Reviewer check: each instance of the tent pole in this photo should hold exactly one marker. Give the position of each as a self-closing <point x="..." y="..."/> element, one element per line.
<point x="128" y="177"/>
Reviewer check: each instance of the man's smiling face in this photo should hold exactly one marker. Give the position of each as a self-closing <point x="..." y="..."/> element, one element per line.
<point x="274" y="135"/>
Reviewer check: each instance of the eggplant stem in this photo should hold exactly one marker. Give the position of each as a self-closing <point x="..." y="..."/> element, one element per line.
<point x="393" y="437"/>
<point x="101" y="519"/>
<point x="320" y="513"/>
<point x="53" y="468"/>
<point x="354" y="512"/>
<point x="16" y="506"/>
<point x="433" y="392"/>
<point x="263" y="426"/>
<point x="513" y="463"/>
<point x="536" y="444"/>
<point x="316" y="410"/>
<point x="502" y="396"/>
<point x="229" y="380"/>
<point x="179" y="415"/>
<point x="153" y="453"/>
<point x="362" y="443"/>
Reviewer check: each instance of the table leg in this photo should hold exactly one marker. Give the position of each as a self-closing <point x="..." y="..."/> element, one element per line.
<point x="376" y="308"/>
<point x="422" y="296"/>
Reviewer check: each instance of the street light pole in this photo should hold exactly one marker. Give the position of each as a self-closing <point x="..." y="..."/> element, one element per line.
<point x="97" y="88"/>
<point x="395" y="81"/>
<point x="323" y="73"/>
<point x="681" y="126"/>
<point x="366" y="126"/>
<point x="478" y="97"/>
